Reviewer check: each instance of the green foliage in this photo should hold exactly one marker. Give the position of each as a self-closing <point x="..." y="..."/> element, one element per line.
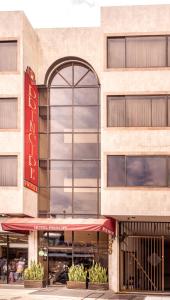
<point x="34" y="272"/>
<point x="97" y="273"/>
<point x="77" y="273"/>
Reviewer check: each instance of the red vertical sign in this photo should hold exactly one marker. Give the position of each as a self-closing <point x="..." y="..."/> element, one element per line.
<point x="31" y="132"/>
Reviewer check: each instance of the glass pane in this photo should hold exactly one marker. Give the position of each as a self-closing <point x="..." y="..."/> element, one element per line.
<point x="8" y="171"/>
<point x="115" y="170"/>
<point x="3" y="260"/>
<point x="61" y="119"/>
<point x="79" y="72"/>
<point x="60" y="96"/>
<point x="60" y="238"/>
<point x="85" y="239"/>
<point x="42" y="96"/>
<point x="58" y="80"/>
<point x="43" y="146"/>
<point x="86" y="119"/>
<point x="146" y="171"/>
<point x="116" y="52"/>
<point x="159" y="111"/>
<point x="86" y="96"/>
<point x="61" y="173"/>
<point x="116" y="111"/>
<point x="147" y="51"/>
<point x="85" y="248"/>
<point x="85" y="146"/>
<point x="138" y="111"/>
<point x="43" y="173"/>
<point x="67" y="73"/>
<point x="8" y="56"/>
<point x="42" y="239"/>
<point x="8" y="113"/>
<point x="61" y="201"/>
<point x="88" y="79"/>
<point x="42" y="119"/>
<point x="85" y="201"/>
<point x="43" y="200"/>
<point x="61" y="146"/>
<point x="86" y="173"/>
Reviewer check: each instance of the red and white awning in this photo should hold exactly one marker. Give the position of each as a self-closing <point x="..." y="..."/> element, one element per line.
<point x="50" y="224"/>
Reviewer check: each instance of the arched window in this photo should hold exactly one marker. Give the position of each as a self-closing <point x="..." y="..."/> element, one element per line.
<point x="73" y="129"/>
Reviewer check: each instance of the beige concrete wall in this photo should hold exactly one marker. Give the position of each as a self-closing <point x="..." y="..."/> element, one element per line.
<point x="30" y="203"/>
<point x="148" y="18"/>
<point x="15" y="26"/>
<point x="133" y="20"/>
<point x="32" y="247"/>
<point x="114" y="263"/>
<point x="58" y="43"/>
<point x="11" y="86"/>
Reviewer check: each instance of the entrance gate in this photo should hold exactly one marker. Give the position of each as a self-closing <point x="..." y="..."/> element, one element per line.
<point x="143" y="265"/>
<point x="144" y="256"/>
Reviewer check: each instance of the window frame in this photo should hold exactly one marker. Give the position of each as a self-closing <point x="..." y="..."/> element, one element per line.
<point x="125" y="168"/>
<point x="124" y="36"/>
<point x="75" y="133"/>
<point x="150" y="97"/>
<point x="17" y="41"/>
<point x="15" y="156"/>
<point x="17" y="116"/>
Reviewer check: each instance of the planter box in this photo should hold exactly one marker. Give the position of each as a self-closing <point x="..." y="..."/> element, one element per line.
<point x="34" y="284"/>
<point x="98" y="286"/>
<point x="76" y="285"/>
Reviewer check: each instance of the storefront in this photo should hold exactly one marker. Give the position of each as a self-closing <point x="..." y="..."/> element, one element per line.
<point x="13" y="257"/>
<point x="62" y="242"/>
<point x="61" y="249"/>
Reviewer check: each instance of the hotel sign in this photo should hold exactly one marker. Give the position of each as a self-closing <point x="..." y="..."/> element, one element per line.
<point x="31" y="132"/>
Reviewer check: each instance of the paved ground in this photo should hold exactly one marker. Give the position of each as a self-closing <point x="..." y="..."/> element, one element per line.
<point x="62" y="293"/>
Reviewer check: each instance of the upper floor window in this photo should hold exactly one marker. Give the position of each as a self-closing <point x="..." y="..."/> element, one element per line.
<point x="69" y="151"/>
<point x="8" y="170"/>
<point x="8" y="113"/>
<point x="145" y="170"/>
<point x="138" y="52"/>
<point x="8" y="56"/>
<point x="138" y="111"/>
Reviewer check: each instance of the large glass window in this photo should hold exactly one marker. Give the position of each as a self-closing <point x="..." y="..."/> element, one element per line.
<point x="138" y="111"/>
<point x="14" y="257"/>
<point x="8" y="113"/>
<point x="8" y="170"/>
<point x="69" y="151"/>
<point x="138" y="171"/>
<point x="65" y="248"/>
<point x="8" y="56"/>
<point x="137" y="52"/>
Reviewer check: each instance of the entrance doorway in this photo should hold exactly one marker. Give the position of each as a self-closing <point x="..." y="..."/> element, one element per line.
<point x="144" y="256"/>
<point x="64" y="248"/>
<point x="142" y="263"/>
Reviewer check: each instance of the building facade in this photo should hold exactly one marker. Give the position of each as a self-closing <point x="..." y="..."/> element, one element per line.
<point x="102" y="191"/>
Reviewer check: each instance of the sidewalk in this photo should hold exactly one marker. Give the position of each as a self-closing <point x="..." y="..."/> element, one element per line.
<point x="62" y="293"/>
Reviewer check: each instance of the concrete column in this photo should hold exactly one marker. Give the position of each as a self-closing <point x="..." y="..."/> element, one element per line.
<point x="114" y="264"/>
<point x="32" y="247"/>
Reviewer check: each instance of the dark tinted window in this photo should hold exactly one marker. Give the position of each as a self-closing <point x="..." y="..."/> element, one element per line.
<point x="116" y="171"/>
<point x="138" y="171"/>
<point x="146" y="171"/>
